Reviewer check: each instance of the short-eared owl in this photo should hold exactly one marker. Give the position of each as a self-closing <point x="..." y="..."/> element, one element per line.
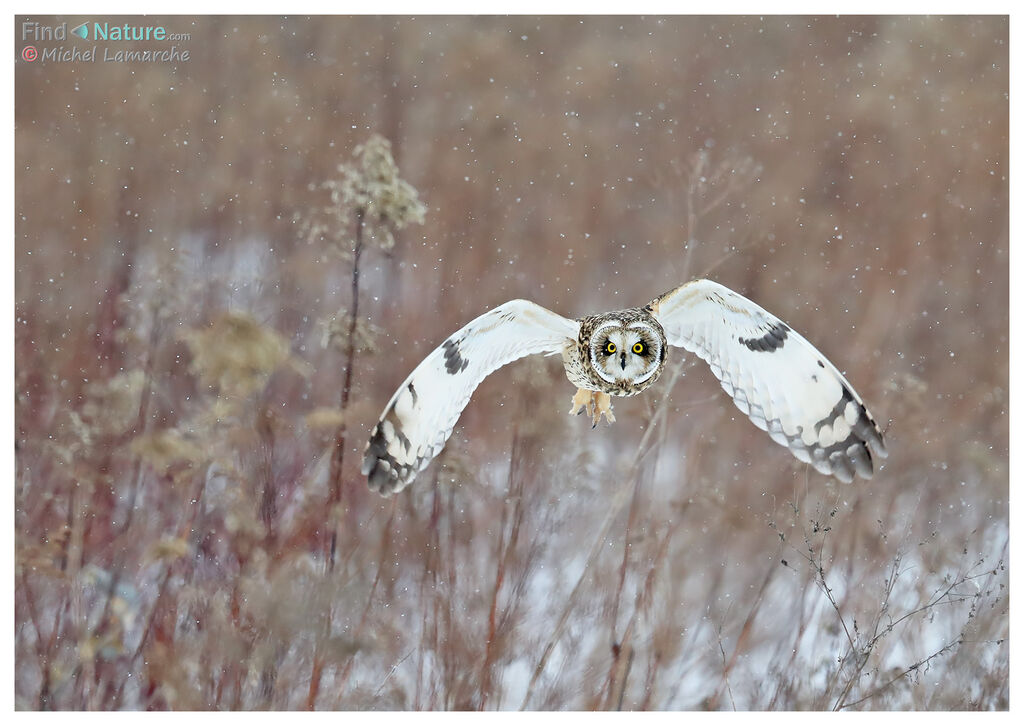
<point x="774" y="376"/>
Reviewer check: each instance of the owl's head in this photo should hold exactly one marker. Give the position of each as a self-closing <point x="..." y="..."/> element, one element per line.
<point x="628" y="351"/>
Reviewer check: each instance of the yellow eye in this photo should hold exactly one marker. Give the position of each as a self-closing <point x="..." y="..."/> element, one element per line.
<point x="639" y="348"/>
<point x="609" y="348"/>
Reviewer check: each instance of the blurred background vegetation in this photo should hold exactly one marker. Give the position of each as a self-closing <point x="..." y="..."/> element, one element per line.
<point x="192" y="531"/>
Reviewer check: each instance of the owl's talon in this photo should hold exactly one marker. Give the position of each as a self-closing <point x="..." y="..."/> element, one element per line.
<point x="583" y="400"/>
<point x="595" y="403"/>
<point x="602" y="404"/>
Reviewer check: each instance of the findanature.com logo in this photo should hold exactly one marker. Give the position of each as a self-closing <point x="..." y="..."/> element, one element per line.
<point x="34" y="32"/>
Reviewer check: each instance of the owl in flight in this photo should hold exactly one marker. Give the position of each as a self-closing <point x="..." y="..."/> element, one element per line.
<point x="773" y="375"/>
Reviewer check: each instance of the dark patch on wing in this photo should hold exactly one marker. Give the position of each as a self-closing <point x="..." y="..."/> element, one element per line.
<point x="412" y="390"/>
<point x="403" y="440"/>
<point x="838" y="411"/>
<point x="453" y="360"/>
<point x="851" y="456"/>
<point x="384" y="473"/>
<point x="770" y="341"/>
<point x="843" y="459"/>
<point x="396" y="426"/>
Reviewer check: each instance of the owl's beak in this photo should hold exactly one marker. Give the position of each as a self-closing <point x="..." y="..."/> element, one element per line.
<point x="623" y="359"/>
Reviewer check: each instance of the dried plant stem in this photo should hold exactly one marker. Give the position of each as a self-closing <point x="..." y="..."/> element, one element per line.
<point x="623" y="652"/>
<point x="626" y="544"/>
<point x="506" y="546"/>
<point x="696" y="175"/>
<point x="350" y="351"/>
<point x="385" y="546"/>
<point x="318" y="668"/>
<point x="446" y="605"/>
<point x="947" y="595"/>
<point x="615" y="506"/>
<point x="42" y="651"/>
<point x="146" y="630"/>
<point x="622" y="649"/>
<point x="268" y="493"/>
<point x="141" y="422"/>
<point x="185" y="530"/>
<point x="621" y="667"/>
<point x="338" y="455"/>
<point x="909" y="669"/>
<point x="741" y="641"/>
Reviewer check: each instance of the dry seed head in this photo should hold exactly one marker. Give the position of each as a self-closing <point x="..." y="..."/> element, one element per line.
<point x="324" y="419"/>
<point x="112" y="406"/>
<point x="371" y="186"/>
<point x="335" y="332"/>
<point x="164" y="449"/>
<point x="237" y="354"/>
<point x="167" y="549"/>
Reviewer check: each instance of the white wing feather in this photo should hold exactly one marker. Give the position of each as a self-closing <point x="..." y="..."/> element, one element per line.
<point x="421" y="415"/>
<point x="774" y="376"/>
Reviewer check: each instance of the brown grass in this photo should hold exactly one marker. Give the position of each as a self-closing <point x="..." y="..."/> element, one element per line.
<point x="184" y="327"/>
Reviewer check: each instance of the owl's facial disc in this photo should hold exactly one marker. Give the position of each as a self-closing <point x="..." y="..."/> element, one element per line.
<point x="629" y="354"/>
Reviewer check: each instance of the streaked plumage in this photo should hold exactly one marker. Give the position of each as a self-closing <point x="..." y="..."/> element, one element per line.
<point x="773" y="375"/>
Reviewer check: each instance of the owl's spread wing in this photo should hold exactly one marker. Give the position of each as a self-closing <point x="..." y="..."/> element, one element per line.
<point x="774" y="376"/>
<point x="421" y="415"/>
